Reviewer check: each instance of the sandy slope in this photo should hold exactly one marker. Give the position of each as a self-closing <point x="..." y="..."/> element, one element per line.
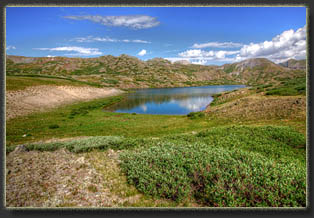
<point x="39" y="98"/>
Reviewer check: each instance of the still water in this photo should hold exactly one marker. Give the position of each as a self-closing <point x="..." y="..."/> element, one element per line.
<point x="176" y="101"/>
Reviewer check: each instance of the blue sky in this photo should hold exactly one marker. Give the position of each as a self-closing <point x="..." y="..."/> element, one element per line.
<point x="202" y="35"/>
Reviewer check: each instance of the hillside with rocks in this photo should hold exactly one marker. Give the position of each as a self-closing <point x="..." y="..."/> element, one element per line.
<point x="130" y="72"/>
<point x="294" y="64"/>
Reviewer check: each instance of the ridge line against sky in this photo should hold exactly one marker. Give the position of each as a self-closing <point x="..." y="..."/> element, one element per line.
<point x="202" y="35"/>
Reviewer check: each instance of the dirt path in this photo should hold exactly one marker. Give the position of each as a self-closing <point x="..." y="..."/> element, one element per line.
<point x="39" y="98"/>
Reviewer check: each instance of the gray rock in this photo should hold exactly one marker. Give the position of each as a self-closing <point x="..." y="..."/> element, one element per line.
<point x="20" y="148"/>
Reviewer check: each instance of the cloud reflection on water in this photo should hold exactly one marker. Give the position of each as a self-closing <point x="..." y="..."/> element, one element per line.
<point x="170" y="100"/>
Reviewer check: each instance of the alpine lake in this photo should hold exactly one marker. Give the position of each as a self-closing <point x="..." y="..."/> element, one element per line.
<point x="171" y="101"/>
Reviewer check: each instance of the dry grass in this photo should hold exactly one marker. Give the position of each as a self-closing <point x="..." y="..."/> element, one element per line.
<point x="258" y="108"/>
<point x="53" y="179"/>
<point x="65" y="179"/>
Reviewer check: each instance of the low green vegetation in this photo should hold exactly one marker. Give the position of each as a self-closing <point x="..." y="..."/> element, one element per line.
<point x="195" y="115"/>
<point x="92" y="118"/>
<point x="20" y="82"/>
<point x="228" y="168"/>
<point x="225" y="97"/>
<point x="54" y="126"/>
<point x="86" y="144"/>
<point x="229" y="68"/>
<point x="224" y="166"/>
<point x="111" y="81"/>
<point x="289" y="87"/>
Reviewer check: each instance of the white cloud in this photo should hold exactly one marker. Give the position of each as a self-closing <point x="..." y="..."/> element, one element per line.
<point x="142" y="52"/>
<point x="130" y="21"/>
<point x="80" y="51"/>
<point x="289" y="44"/>
<point x="106" y="39"/>
<point x="218" y="45"/>
<point x="198" y="53"/>
<point x="50" y="56"/>
<point x="139" y="41"/>
<point x="93" y="39"/>
<point x="10" y="47"/>
<point x="200" y="62"/>
<point x="174" y="59"/>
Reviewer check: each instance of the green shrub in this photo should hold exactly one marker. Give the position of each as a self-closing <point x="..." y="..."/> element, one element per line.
<point x="87" y="144"/>
<point x="282" y="91"/>
<point x="195" y="115"/>
<point x="216" y="95"/>
<point x="222" y="169"/>
<point x="289" y="87"/>
<point x="54" y="126"/>
<point x="45" y="147"/>
<point x="111" y="81"/>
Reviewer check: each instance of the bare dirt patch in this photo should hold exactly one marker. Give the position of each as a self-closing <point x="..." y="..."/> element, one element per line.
<point x="65" y="179"/>
<point x="54" y="179"/>
<point x="40" y="98"/>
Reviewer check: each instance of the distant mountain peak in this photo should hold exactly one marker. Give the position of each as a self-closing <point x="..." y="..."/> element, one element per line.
<point x="294" y="64"/>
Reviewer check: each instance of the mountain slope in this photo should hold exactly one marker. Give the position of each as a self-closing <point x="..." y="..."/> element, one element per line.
<point x="294" y="64"/>
<point x="130" y="72"/>
<point x="258" y="71"/>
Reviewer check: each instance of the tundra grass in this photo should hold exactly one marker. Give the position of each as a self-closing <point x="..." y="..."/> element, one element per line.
<point x="225" y="97"/>
<point x="289" y="87"/>
<point x="14" y="83"/>
<point x="90" y="119"/>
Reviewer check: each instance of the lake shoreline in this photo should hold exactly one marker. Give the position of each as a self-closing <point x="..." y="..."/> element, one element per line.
<point x="46" y="97"/>
<point x="170" y="101"/>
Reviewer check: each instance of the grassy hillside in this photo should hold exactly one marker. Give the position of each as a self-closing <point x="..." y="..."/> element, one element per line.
<point x="130" y="72"/>
<point x="20" y="82"/>
<point x="294" y="64"/>
<point x="281" y="103"/>
<point x="260" y="71"/>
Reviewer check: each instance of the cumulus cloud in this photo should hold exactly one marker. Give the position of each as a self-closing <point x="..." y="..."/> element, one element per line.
<point x="289" y="44"/>
<point x="130" y="21"/>
<point x="174" y="59"/>
<point x="106" y="39"/>
<point x="80" y="51"/>
<point x="198" y="53"/>
<point x="200" y="62"/>
<point x="142" y="52"/>
<point x="10" y="47"/>
<point x="218" y="45"/>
